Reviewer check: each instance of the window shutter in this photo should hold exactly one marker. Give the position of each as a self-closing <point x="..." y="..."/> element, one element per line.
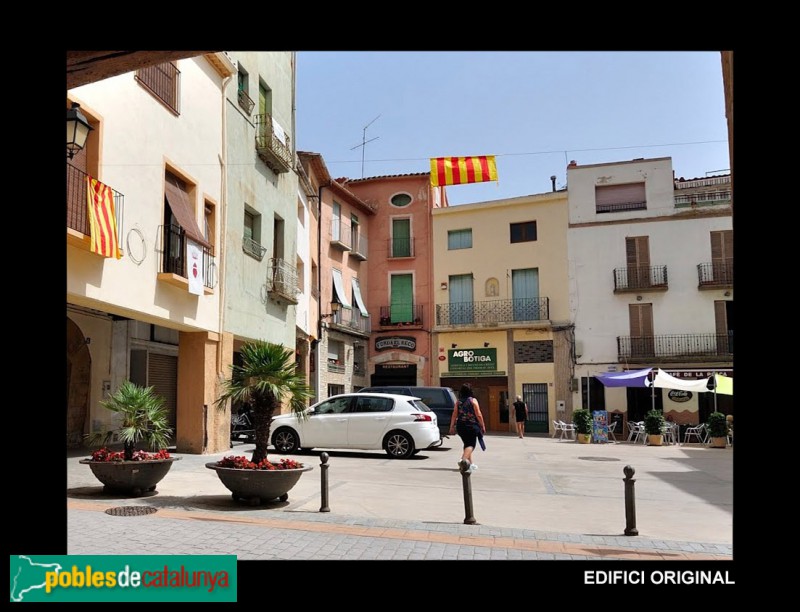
<point x="721" y="317"/>
<point x="162" y="374"/>
<point x="631" y="193"/>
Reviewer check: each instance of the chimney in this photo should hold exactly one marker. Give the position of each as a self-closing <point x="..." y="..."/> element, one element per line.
<point x="553" y="180"/>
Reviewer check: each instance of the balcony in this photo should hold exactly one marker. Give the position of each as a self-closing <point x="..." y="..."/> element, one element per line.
<point x="273" y="144"/>
<point x="172" y="263"/>
<point x="620" y="207"/>
<point x="77" y="209"/>
<point x="335" y="366"/>
<point x="633" y="279"/>
<point x="675" y="347"/>
<point x="359" y="247"/>
<point x="401" y="247"/>
<point x="350" y="320"/>
<point x="246" y="102"/>
<point x="282" y="281"/>
<point x="253" y="248"/>
<point x="709" y="198"/>
<point x="340" y="236"/>
<point x="715" y="275"/>
<point x="493" y="312"/>
<point x="405" y="316"/>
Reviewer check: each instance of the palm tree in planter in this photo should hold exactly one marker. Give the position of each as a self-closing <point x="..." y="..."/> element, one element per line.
<point x="266" y="379"/>
<point x="145" y="422"/>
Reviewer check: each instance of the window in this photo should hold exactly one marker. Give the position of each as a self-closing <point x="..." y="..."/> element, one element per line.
<point x="722" y="256"/>
<point x="354" y="232"/>
<point x="336" y="222"/>
<point x="401" y="200"/>
<point x="251" y="238"/>
<point x="374" y="404"/>
<point x="277" y="237"/>
<point x="523" y="232"/>
<point x="723" y="318"/>
<point x="402" y="298"/>
<point x="525" y="288"/>
<point x="357" y="299"/>
<point x="264" y="100"/>
<point x="641" y="325"/>
<point x="163" y="81"/>
<point x="462" y="308"/>
<point x="180" y="224"/>
<point x="617" y="198"/>
<point x="245" y="101"/>
<point x="338" y="289"/>
<point x="337" y="390"/>
<point x="209" y="222"/>
<point x="637" y="259"/>
<point x="459" y="239"/>
<point x="334" y="406"/>
<point x="401" y="238"/>
<point x="335" y="352"/>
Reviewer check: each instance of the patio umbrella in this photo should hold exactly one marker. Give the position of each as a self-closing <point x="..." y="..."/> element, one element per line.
<point x="628" y="378"/>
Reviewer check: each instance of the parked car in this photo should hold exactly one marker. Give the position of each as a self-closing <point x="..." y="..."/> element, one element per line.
<point x="441" y="400"/>
<point x="399" y="424"/>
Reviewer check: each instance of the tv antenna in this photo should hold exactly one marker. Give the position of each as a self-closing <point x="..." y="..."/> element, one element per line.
<point x="364" y="142"/>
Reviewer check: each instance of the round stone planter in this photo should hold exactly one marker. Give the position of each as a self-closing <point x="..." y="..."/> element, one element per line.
<point x="134" y="477"/>
<point x="258" y="486"/>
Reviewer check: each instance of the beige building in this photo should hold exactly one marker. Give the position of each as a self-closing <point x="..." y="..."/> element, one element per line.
<point x="501" y="318"/>
<point x="262" y="284"/>
<point x="154" y="315"/>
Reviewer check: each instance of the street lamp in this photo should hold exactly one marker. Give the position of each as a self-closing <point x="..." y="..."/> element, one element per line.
<point x="334" y="309"/>
<point x="78" y="129"/>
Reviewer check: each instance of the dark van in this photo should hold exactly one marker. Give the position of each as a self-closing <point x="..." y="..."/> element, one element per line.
<point x="441" y="400"/>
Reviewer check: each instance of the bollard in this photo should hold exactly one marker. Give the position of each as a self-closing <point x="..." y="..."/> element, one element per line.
<point x="469" y="519"/>
<point x="323" y="469"/>
<point x="630" y="502"/>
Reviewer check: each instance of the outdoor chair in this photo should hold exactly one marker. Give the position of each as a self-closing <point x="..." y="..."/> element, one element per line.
<point x="698" y="432"/>
<point x="556" y="428"/>
<point x="611" y="431"/>
<point x="633" y="430"/>
<point x="567" y="429"/>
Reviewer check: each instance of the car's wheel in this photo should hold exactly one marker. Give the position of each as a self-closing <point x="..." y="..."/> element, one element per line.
<point x="285" y="440"/>
<point x="399" y="445"/>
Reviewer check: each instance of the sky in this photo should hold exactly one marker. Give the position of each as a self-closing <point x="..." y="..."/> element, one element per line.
<point x="534" y="110"/>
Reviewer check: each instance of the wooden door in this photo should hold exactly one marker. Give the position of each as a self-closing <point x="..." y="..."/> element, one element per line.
<point x="637" y="255"/>
<point x="496" y="397"/>
<point x="641" y="323"/>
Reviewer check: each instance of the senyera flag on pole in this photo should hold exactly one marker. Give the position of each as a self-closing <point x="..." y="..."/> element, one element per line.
<point x="102" y="219"/>
<point x="460" y="170"/>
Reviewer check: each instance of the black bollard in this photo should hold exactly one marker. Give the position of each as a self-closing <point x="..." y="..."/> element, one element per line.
<point x="469" y="519"/>
<point x="323" y="468"/>
<point x="630" y="502"/>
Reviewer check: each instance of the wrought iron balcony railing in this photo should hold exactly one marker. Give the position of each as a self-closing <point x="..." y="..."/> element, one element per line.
<point x="359" y="246"/>
<point x="675" y="346"/>
<point x="715" y="274"/>
<point x="341" y="236"/>
<point x="401" y="247"/>
<point x="336" y="367"/>
<point x="620" y="207"/>
<point x="493" y="311"/>
<point x="640" y="278"/>
<point x="77" y="208"/>
<point x="350" y="319"/>
<point x="246" y="102"/>
<point x="273" y="144"/>
<point x="253" y="248"/>
<point x="401" y="315"/>
<point x="282" y="280"/>
<point x="173" y="256"/>
<point x="722" y="196"/>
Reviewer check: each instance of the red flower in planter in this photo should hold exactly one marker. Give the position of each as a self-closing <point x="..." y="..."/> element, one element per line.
<point x="103" y="454"/>
<point x="242" y="463"/>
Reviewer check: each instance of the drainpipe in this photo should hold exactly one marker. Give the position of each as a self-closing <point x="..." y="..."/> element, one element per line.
<point x="317" y="366"/>
<point x="223" y="161"/>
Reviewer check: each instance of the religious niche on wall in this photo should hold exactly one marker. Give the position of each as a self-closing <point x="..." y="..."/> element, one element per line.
<point x="492" y="287"/>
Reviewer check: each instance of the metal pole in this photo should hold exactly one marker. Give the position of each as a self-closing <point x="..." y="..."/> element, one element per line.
<point x="630" y="502"/>
<point x="469" y="518"/>
<point x="323" y="468"/>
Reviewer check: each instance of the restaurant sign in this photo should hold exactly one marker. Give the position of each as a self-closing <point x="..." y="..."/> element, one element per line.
<point x="472" y="360"/>
<point x="407" y="343"/>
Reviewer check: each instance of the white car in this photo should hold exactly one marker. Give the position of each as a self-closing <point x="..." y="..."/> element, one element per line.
<point x="399" y="424"/>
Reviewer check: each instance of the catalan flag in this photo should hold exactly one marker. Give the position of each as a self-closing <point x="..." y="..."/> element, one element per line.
<point x="459" y="170"/>
<point x="102" y="220"/>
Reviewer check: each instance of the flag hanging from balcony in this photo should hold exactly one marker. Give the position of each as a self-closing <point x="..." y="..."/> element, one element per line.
<point x="459" y="170"/>
<point x="102" y="219"/>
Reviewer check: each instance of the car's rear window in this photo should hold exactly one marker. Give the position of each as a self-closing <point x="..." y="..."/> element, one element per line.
<point x="420" y="406"/>
<point x="435" y="398"/>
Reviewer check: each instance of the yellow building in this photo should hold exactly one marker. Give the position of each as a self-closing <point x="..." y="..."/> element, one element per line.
<point x="501" y="306"/>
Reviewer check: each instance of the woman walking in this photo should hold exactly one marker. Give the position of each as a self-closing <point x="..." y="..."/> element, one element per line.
<point x="521" y="415"/>
<point x="467" y="421"/>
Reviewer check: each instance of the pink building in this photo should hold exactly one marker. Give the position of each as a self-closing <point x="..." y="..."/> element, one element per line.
<point x="399" y="264"/>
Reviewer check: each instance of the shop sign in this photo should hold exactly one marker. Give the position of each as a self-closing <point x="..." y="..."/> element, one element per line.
<point x="407" y="343"/>
<point x="472" y="360"/>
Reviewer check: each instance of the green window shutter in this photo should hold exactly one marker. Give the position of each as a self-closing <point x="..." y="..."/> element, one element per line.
<point x="262" y="100"/>
<point x="402" y="298"/>
<point x="401" y="238"/>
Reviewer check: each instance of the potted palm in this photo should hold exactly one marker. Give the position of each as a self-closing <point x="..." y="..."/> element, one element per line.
<point x="265" y="380"/>
<point x="144" y="421"/>
<point x="717" y="425"/>
<point x="654" y="427"/>
<point x="582" y="419"/>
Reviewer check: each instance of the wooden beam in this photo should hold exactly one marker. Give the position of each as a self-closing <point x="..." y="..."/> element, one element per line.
<point x="84" y="67"/>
